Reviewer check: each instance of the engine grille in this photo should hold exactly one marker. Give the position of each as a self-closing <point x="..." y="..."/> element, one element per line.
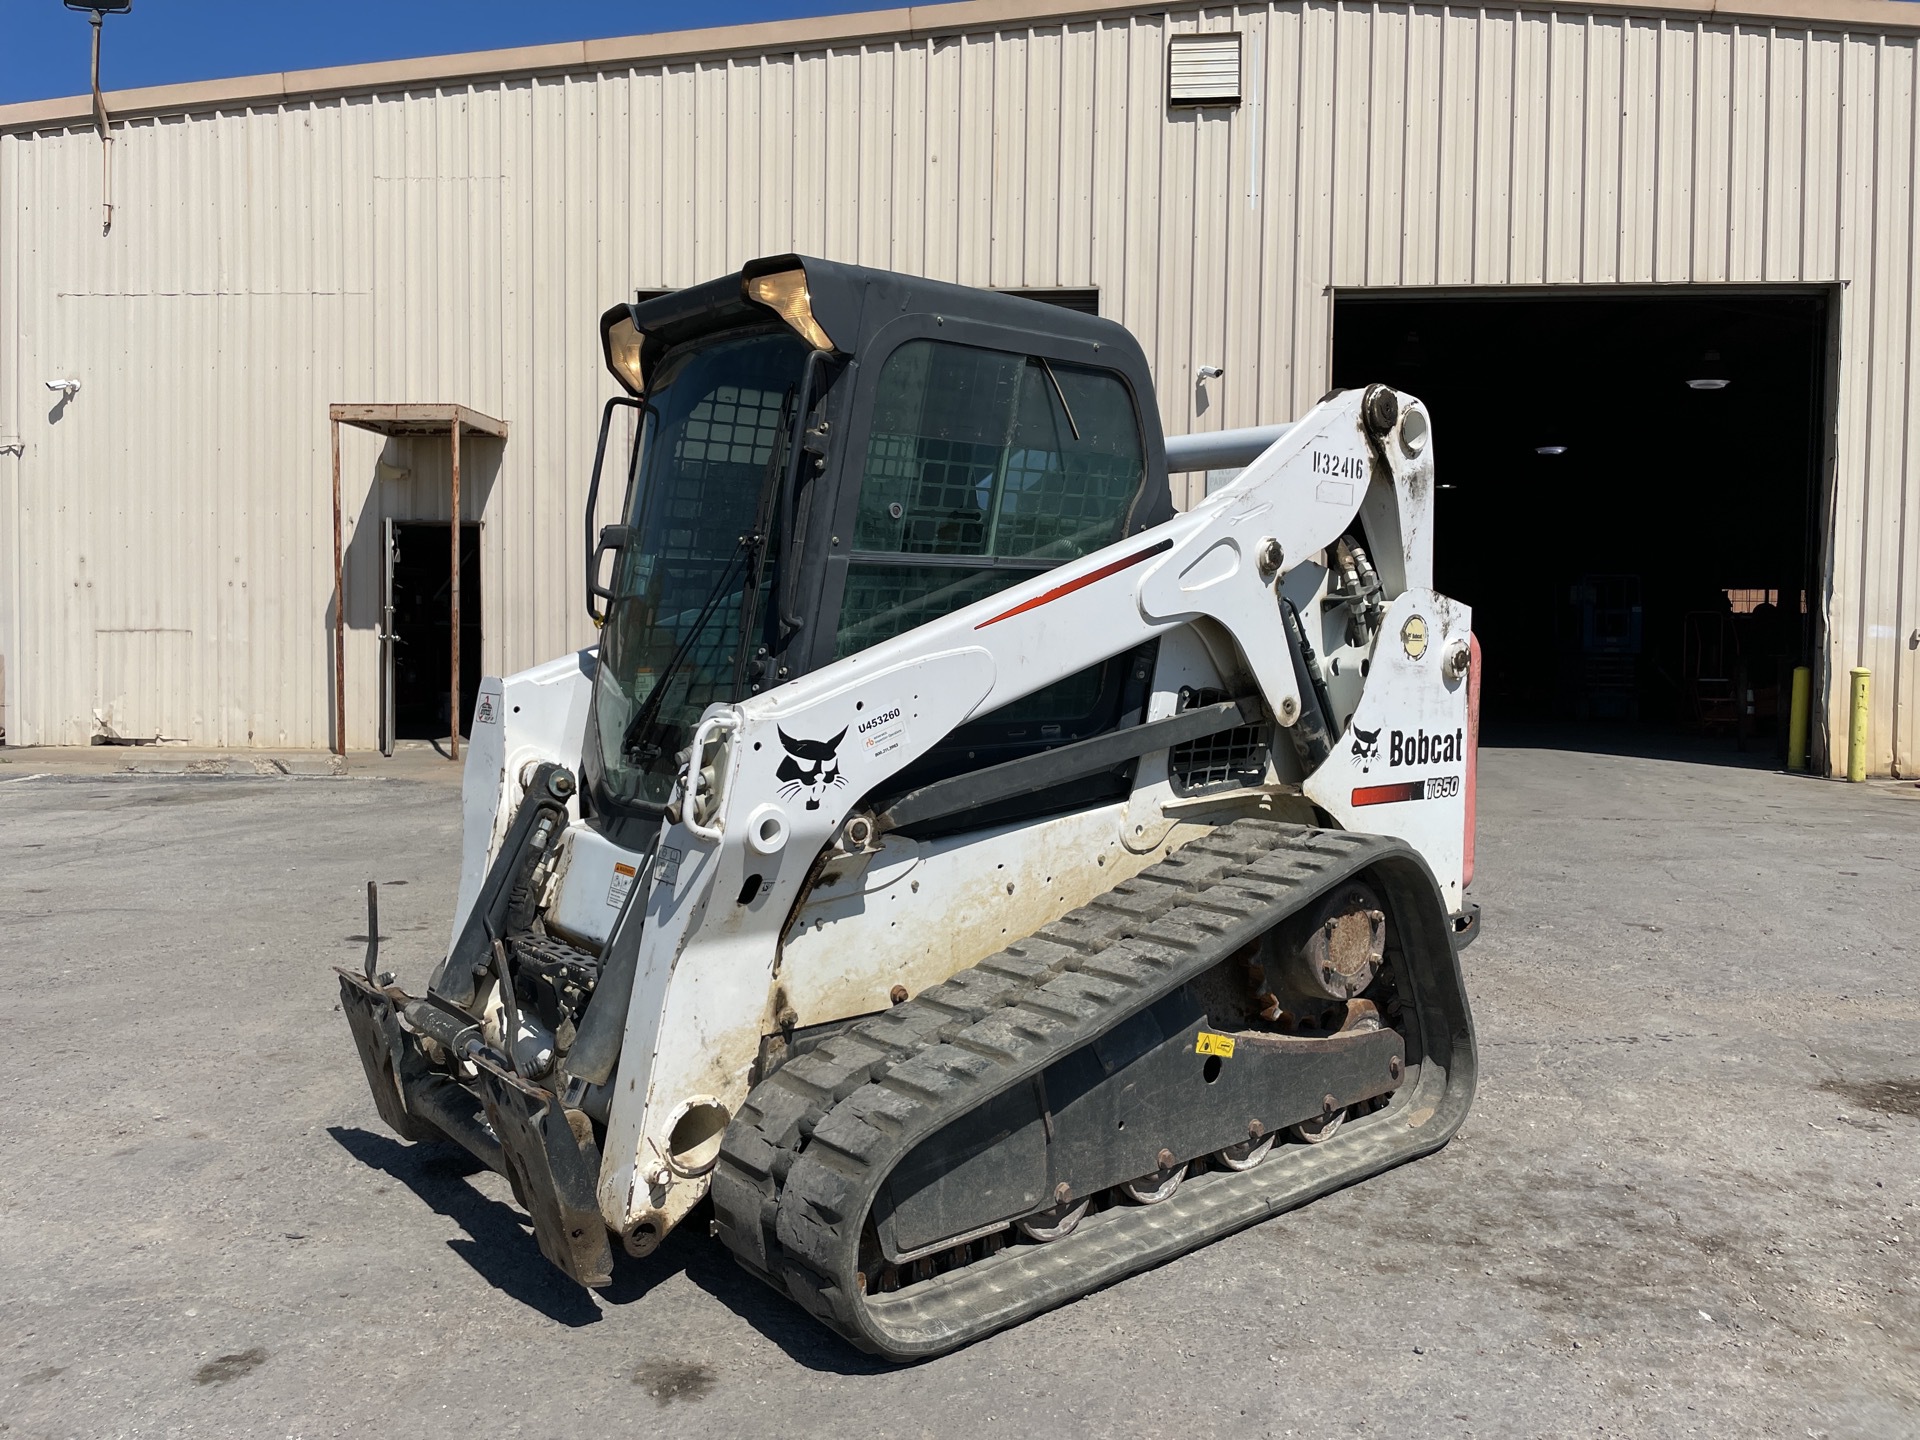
<point x="1225" y="761"/>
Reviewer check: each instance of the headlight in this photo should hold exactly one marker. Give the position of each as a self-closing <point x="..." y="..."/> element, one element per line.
<point x="785" y="293"/>
<point x="620" y="338"/>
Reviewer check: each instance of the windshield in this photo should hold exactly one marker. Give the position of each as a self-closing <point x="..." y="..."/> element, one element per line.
<point x="687" y="599"/>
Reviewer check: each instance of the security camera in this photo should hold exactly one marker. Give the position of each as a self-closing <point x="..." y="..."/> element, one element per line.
<point x="70" y="388"/>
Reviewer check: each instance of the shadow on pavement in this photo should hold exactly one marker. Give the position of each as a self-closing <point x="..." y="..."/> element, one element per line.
<point x="501" y="1248"/>
<point x="1644" y="742"/>
<point x="805" y="1340"/>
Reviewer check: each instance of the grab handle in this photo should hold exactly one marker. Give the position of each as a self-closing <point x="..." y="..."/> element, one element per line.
<point x="692" y="784"/>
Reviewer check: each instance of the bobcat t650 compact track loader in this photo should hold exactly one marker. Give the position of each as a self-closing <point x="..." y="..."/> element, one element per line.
<point x="980" y="880"/>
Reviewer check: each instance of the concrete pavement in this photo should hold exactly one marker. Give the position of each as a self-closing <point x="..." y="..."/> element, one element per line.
<point x="1687" y="1200"/>
<point x="411" y="760"/>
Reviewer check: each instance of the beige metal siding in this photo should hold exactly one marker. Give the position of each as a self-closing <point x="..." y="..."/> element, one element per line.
<point x="456" y="242"/>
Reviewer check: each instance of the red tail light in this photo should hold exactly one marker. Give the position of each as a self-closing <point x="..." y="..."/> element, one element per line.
<point x="1473" y="750"/>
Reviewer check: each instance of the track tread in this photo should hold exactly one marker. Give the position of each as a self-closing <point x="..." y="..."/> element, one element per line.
<point x="801" y="1165"/>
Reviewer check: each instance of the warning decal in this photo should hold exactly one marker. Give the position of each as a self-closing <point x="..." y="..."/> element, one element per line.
<point x="666" y="866"/>
<point x="1221" y="1045"/>
<point x="623" y="874"/>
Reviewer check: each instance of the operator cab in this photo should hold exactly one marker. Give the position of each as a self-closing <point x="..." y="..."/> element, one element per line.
<point x="827" y="456"/>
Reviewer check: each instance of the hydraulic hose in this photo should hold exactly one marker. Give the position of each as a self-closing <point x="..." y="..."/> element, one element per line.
<point x="1311" y="735"/>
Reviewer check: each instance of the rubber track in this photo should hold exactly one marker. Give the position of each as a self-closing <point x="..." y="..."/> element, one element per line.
<point x="805" y="1157"/>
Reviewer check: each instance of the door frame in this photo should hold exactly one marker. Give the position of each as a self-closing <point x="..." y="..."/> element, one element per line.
<point x="390" y="556"/>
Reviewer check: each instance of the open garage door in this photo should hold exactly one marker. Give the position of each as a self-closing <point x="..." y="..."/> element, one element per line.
<point x="1628" y="499"/>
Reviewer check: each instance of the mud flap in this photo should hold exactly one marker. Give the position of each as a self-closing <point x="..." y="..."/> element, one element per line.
<point x="555" y="1168"/>
<point x="384" y="1051"/>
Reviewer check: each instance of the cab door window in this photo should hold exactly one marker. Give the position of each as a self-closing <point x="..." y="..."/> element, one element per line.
<point x="983" y="468"/>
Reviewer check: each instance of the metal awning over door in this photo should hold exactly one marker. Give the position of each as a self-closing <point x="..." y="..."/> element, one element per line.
<point x="400" y="419"/>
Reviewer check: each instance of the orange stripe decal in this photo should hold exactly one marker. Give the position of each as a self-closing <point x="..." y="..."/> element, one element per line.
<point x="1048" y="597"/>
<point x="1390" y="794"/>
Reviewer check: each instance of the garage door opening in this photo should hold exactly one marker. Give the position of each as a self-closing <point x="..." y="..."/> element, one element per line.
<point x="1627" y="493"/>
<point x="423" y="629"/>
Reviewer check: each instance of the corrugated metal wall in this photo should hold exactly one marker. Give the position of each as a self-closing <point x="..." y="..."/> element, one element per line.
<point x="168" y="527"/>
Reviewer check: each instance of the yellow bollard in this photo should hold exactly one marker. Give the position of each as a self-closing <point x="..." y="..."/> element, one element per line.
<point x="1797" y="718"/>
<point x="1857" y="729"/>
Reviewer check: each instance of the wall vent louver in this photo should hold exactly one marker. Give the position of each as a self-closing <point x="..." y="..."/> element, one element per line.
<point x="1203" y="69"/>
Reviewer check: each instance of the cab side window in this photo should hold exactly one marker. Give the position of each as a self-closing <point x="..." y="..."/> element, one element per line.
<point x="983" y="468"/>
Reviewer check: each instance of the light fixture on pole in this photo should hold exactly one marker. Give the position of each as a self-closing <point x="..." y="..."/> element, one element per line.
<point x="95" y="10"/>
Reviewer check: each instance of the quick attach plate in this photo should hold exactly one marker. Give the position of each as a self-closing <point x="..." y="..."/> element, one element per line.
<point x="554" y="1165"/>
<point x="384" y="1053"/>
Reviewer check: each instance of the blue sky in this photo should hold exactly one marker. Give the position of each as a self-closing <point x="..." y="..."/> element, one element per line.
<point x="44" y="47"/>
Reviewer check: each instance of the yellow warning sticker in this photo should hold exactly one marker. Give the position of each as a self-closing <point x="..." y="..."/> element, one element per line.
<point x="1221" y="1045"/>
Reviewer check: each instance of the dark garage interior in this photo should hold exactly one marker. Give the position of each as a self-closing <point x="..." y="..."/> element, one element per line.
<point x="1626" y="496"/>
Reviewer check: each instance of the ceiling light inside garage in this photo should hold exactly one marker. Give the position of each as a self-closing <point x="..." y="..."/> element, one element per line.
<point x="1711" y="378"/>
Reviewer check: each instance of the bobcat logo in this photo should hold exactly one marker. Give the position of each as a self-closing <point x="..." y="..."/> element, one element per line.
<point x="1366" y="747"/>
<point x="809" y="766"/>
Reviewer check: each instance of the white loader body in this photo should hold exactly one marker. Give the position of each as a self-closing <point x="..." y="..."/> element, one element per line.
<point x="763" y="908"/>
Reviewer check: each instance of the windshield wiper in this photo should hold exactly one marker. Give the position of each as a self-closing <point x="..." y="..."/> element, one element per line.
<point x="650" y="708"/>
<point x="1059" y="394"/>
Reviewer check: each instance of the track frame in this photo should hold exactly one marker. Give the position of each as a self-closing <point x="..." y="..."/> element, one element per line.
<point x="807" y="1156"/>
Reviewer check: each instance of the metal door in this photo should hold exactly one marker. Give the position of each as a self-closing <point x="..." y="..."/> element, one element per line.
<point x="391" y="556"/>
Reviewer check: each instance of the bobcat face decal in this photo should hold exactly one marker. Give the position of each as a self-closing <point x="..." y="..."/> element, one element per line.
<point x="1366" y="747"/>
<point x="809" y="767"/>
